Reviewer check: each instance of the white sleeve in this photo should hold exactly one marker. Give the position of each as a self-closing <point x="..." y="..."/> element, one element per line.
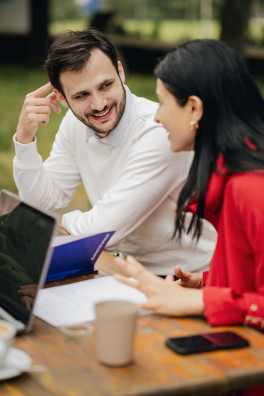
<point x="150" y="174"/>
<point x="52" y="184"/>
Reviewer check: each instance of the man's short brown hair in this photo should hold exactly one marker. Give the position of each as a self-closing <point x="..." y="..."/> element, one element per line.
<point x="71" y="51"/>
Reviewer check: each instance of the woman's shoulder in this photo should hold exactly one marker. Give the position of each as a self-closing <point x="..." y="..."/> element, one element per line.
<point x="246" y="187"/>
<point x="244" y="179"/>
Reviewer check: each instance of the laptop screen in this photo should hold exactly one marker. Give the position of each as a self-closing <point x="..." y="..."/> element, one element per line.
<point x="25" y="235"/>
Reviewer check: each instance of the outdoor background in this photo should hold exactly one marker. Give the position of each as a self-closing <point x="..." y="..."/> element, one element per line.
<point x="138" y="28"/>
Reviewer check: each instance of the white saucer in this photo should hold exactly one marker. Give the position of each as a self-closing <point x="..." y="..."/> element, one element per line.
<point x="16" y="362"/>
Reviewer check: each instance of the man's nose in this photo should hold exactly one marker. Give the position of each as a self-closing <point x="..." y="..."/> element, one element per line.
<point x="98" y="102"/>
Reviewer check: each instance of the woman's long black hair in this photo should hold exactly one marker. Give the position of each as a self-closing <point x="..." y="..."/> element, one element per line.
<point x="233" y="115"/>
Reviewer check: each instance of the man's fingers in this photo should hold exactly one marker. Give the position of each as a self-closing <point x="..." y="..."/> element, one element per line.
<point x="55" y="106"/>
<point x="45" y="122"/>
<point x="52" y="96"/>
<point x="40" y="105"/>
<point x="38" y="93"/>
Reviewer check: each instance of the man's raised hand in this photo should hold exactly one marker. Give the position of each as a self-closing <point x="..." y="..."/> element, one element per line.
<point x="36" y="109"/>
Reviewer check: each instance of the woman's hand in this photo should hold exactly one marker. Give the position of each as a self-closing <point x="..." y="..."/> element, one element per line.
<point x="188" y="279"/>
<point x="162" y="296"/>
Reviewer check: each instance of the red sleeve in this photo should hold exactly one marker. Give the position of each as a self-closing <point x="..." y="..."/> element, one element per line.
<point x="205" y="276"/>
<point x="243" y="230"/>
<point x="222" y="308"/>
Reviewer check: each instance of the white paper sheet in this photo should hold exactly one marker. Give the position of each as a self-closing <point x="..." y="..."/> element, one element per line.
<point x="58" y="240"/>
<point x="72" y="304"/>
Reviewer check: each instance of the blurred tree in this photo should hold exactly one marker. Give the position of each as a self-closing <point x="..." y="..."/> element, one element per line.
<point x="154" y="9"/>
<point x="149" y="9"/>
<point x="66" y="10"/>
<point x="38" y="39"/>
<point x="234" y="20"/>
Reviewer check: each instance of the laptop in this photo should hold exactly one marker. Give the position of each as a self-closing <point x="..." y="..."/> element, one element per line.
<point x="25" y="236"/>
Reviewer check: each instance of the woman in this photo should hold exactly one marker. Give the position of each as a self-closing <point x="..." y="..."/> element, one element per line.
<point x="209" y="103"/>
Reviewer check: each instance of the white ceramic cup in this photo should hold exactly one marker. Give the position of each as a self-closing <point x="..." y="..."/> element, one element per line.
<point x="7" y="334"/>
<point x="114" y="332"/>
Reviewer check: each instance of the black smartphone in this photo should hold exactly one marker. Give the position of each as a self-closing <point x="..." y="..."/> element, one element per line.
<point x="206" y="342"/>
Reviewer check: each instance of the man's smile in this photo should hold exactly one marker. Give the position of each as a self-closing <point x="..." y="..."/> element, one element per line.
<point x="103" y="115"/>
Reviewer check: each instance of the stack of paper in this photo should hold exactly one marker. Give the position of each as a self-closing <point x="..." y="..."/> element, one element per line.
<point x="72" y="304"/>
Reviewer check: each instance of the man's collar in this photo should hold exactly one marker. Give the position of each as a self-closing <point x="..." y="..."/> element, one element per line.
<point x="115" y="136"/>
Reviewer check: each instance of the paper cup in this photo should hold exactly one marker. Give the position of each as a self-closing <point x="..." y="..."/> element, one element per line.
<point x="114" y="332"/>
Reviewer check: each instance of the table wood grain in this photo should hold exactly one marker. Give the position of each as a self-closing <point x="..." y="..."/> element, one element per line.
<point x="71" y="368"/>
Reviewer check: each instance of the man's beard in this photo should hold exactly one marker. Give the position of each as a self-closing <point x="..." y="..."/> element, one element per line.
<point x="120" y="113"/>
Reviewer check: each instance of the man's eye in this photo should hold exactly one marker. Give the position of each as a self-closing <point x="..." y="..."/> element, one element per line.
<point x="81" y="96"/>
<point x="106" y="85"/>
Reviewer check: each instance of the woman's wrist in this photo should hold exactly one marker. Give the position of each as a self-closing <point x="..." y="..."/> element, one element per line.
<point x="197" y="302"/>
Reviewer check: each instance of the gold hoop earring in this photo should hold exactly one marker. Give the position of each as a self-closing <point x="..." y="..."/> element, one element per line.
<point x="194" y="125"/>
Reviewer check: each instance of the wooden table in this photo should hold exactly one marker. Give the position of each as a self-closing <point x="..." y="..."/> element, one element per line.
<point x="70" y="367"/>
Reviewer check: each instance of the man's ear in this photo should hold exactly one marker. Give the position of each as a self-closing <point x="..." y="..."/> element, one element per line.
<point x="60" y="98"/>
<point x="196" y="107"/>
<point x="121" y="72"/>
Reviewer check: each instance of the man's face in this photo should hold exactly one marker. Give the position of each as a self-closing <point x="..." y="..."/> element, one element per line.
<point x="95" y="94"/>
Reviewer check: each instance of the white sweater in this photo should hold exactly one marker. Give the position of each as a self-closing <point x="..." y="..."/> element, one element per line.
<point x="132" y="180"/>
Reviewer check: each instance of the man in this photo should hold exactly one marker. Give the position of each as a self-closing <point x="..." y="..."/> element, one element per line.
<point x="109" y="141"/>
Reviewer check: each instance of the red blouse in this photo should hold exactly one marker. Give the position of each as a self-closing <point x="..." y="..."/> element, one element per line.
<point x="234" y="286"/>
